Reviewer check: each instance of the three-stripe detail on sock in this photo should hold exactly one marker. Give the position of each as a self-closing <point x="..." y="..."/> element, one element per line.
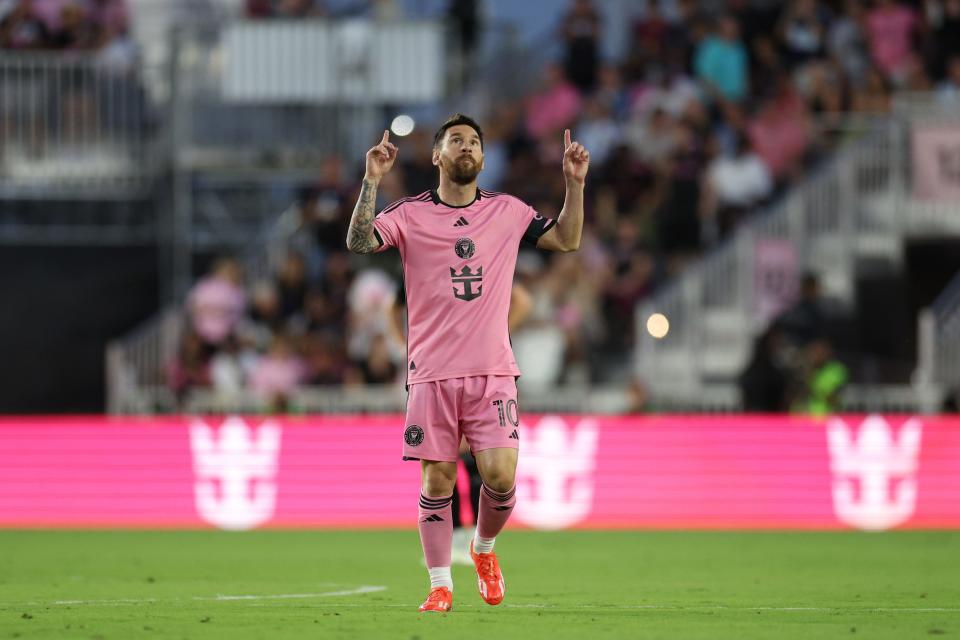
<point x="499" y="497"/>
<point x="435" y="504"/>
<point x="432" y="518"/>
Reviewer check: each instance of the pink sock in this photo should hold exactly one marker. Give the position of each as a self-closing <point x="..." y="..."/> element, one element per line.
<point x="436" y="530"/>
<point x="495" y="510"/>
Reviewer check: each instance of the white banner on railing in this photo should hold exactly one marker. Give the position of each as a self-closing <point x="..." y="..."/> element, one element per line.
<point x="775" y="277"/>
<point x="936" y="162"/>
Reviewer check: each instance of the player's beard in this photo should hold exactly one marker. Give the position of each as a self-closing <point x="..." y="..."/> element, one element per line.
<point x="463" y="170"/>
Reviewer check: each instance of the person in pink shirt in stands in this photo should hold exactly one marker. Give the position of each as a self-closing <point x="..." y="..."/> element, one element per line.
<point x="216" y="303"/>
<point x="278" y="374"/>
<point x="555" y="106"/>
<point x="780" y="132"/>
<point x="890" y="26"/>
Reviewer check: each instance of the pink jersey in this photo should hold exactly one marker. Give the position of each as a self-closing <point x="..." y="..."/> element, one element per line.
<point x="458" y="265"/>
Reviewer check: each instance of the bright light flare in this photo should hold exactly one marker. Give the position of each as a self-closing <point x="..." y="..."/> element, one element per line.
<point x="658" y="326"/>
<point x="402" y="125"/>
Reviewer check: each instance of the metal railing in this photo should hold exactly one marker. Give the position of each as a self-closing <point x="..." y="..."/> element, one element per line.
<point x="75" y="125"/>
<point x="606" y="400"/>
<point x="939" y="339"/>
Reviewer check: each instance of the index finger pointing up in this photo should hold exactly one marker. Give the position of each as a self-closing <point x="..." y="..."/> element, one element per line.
<point x="566" y="138"/>
<point x="386" y="136"/>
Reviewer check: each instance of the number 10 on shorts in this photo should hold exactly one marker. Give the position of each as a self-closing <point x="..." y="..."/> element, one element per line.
<point x="507" y="411"/>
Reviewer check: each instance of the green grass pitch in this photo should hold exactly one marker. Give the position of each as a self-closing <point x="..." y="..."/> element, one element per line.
<point x="106" y="585"/>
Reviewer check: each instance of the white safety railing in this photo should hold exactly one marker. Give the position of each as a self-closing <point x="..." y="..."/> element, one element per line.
<point x="605" y="400"/>
<point x="80" y="124"/>
<point x="939" y="339"/>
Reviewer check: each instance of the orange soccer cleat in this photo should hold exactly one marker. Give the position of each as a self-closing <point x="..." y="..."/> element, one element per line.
<point x="489" y="578"/>
<point x="440" y="599"/>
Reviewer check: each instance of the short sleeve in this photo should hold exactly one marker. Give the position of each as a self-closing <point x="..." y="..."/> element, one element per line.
<point x="387" y="227"/>
<point x="537" y="225"/>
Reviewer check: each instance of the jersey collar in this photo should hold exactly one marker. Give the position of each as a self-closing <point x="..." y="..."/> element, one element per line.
<point x="436" y="200"/>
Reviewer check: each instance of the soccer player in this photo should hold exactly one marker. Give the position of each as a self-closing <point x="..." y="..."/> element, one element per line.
<point x="458" y="245"/>
<point x="521" y="304"/>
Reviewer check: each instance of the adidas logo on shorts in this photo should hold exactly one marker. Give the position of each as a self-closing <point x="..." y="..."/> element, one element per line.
<point x="515" y="435"/>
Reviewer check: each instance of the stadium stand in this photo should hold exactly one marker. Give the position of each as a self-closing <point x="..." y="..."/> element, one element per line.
<point x="736" y="147"/>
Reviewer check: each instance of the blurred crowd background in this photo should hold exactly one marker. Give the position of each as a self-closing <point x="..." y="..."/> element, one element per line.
<point x="698" y="115"/>
<point x="712" y="112"/>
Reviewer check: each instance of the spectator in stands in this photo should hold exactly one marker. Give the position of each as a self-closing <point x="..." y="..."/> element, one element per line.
<point x="292" y="284"/>
<point x="371" y="299"/>
<point x="945" y="21"/>
<point x="325" y="360"/>
<point x="847" y="42"/>
<point x="76" y="32"/>
<point x="597" y="131"/>
<point x="230" y="368"/>
<point x="379" y="367"/>
<point x="651" y="139"/>
<point x="733" y="185"/>
<point x="765" y="382"/>
<point x="23" y="29"/>
<point x="780" y="132"/>
<point x="278" y="374"/>
<point x="652" y="33"/>
<point x="265" y="318"/>
<point x="190" y="368"/>
<point x="721" y="61"/>
<point x="555" y="106"/>
<point x="319" y="315"/>
<point x="285" y="8"/>
<point x="217" y="302"/>
<point x="891" y="27"/>
<point x="611" y="91"/>
<point x="875" y="96"/>
<point x="581" y="29"/>
<point x="948" y="91"/>
<point x="805" y="321"/>
<point x="803" y="32"/>
<point x="824" y="379"/>
<point x="324" y="215"/>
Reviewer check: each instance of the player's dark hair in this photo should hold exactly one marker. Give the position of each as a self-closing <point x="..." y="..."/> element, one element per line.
<point x="452" y="121"/>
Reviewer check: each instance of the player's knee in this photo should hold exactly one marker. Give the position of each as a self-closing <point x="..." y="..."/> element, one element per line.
<point x="500" y="480"/>
<point x="438" y="480"/>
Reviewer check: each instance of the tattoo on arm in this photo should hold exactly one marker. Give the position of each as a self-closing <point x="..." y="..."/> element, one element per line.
<point x="360" y="237"/>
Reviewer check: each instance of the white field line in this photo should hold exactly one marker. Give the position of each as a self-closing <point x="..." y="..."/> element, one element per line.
<point x="293" y="596"/>
<point x="217" y="598"/>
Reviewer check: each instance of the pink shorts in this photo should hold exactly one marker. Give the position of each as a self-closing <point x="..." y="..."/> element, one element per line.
<point x="481" y="408"/>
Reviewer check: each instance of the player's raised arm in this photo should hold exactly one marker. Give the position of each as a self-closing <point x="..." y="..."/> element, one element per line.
<point x="360" y="236"/>
<point x="565" y="235"/>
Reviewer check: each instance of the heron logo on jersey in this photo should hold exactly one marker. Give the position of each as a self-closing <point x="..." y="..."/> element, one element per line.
<point x="465" y="248"/>
<point x="467" y="277"/>
<point x="235" y="468"/>
<point x="874" y="472"/>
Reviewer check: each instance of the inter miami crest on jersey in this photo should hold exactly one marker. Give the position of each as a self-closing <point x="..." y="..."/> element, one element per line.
<point x="465" y="248"/>
<point x="413" y="435"/>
